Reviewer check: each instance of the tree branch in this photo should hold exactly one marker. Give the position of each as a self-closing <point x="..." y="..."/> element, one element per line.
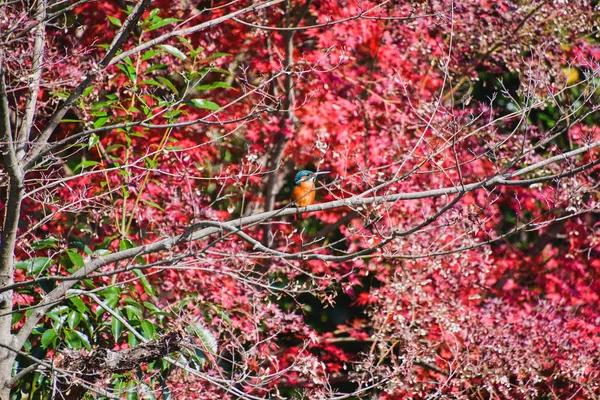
<point x="197" y="28"/>
<point x="34" y="78"/>
<point x="120" y="38"/>
<point x="206" y="228"/>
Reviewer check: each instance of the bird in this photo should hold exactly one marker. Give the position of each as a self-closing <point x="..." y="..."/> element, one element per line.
<point x="304" y="192"/>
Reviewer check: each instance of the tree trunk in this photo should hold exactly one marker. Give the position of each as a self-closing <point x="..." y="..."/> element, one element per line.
<point x="7" y="262"/>
<point x="12" y="210"/>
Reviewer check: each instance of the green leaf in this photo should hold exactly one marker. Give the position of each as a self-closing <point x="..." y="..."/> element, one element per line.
<point x="167" y="83"/>
<point x="101" y="252"/>
<point x="100" y="122"/>
<point x="132" y="340"/>
<point x="75" y="258"/>
<point x="16" y="317"/>
<point x="111" y="299"/>
<point x="149" y="329"/>
<point x="147" y="286"/>
<point x="148" y="110"/>
<point x="218" y="55"/>
<point x="48" y="337"/>
<point x="93" y="140"/>
<point x="147" y="392"/>
<point x="206" y="336"/>
<point x="79" y="304"/>
<point x="98" y="112"/>
<point x="115" y="21"/>
<point x="128" y="61"/>
<point x="72" y="339"/>
<point x="131" y="393"/>
<point x="201" y="103"/>
<point x="185" y="41"/>
<point x="137" y="134"/>
<point x="98" y="106"/>
<point x="221" y="314"/>
<point x="150" y="163"/>
<point x="153" y="204"/>
<point x="111" y="296"/>
<point x="152" y="307"/>
<point x="173" y="50"/>
<point x="150" y="53"/>
<point x="73" y="319"/>
<point x="34" y="266"/>
<point x="161" y="23"/>
<point x="133" y="312"/>
<point x="215" y="69"/>
<point x="126" y="244"/>
<point x="84" y="164"/>
<point x="128" y="70"/>
<point x="87" y="91"/>
<point x="214" y="85"/>
<point x="172" y="116"/>
<point x="199" y="357"/>
<point x="155" y="67"/>
<point x="114" y="147"/>
<point x="152" y="14"/>
<point x="58" y="314"/>
<point x="116" y="327"/>
<point x="48" y="243"/>
<point x="84" y="339"/>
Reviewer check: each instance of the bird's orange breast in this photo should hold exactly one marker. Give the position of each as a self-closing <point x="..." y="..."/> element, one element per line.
<point x="304" y="194"/>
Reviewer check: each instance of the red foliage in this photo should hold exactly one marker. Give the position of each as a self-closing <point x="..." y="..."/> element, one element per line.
<point x="458" y="308"/>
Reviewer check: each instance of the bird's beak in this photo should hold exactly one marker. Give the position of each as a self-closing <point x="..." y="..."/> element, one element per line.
<point x="320" y="173"/>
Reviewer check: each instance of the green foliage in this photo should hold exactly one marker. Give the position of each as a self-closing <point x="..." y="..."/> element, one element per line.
<point x="92" y="314"/>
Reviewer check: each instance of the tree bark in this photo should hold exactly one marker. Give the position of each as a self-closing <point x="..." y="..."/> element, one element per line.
<point x="10" y="224"/>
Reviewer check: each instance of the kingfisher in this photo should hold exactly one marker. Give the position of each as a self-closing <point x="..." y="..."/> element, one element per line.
<point x="304" y="187"/>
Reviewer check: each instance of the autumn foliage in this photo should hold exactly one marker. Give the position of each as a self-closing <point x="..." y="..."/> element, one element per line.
<point x="456" y="253"/>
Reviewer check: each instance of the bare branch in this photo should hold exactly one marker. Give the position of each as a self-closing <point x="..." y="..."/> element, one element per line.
<point x="34" y="78"/>
<point x="360" y="15"/>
